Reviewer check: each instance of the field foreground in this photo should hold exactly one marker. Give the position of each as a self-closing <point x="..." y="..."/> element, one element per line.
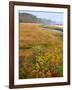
<point x="40" y="52"/>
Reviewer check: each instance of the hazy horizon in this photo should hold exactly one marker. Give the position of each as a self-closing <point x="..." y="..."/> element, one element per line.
<point x="53" y="16"/>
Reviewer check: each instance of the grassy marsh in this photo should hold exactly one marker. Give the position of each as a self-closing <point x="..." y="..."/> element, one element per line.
<point x="40" y="52"/>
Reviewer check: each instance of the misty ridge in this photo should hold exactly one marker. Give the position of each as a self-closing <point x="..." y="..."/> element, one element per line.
<point x="29" y="18"/>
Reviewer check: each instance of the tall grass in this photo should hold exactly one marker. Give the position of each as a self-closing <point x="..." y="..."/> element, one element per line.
<point x="40" y="52"/>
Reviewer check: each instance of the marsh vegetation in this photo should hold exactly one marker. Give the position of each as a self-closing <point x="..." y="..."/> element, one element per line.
<point x="40" y="51"/>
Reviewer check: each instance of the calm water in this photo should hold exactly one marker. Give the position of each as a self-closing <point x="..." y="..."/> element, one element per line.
<point x="58" y="31"/>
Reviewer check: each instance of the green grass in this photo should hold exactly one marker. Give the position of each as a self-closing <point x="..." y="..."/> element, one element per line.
<point x="40" y="52"/>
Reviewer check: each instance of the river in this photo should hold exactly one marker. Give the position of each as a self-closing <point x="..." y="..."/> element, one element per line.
<point x="57" y="31"/>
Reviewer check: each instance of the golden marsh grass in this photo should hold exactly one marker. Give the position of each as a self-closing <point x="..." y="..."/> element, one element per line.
<point x="40" y="52"/>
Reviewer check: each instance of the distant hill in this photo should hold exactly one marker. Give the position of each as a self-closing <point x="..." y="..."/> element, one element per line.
<point x="24" y="17"/>
<point x="29" y="18"/>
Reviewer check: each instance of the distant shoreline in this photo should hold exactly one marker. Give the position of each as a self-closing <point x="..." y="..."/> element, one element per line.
<point x="52" y="27"/>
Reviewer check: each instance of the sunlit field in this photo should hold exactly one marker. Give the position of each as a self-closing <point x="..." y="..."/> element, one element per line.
<point x="40" y="51"/>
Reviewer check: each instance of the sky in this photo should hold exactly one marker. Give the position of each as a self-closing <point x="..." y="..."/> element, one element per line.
<point x="54" y="16"/>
